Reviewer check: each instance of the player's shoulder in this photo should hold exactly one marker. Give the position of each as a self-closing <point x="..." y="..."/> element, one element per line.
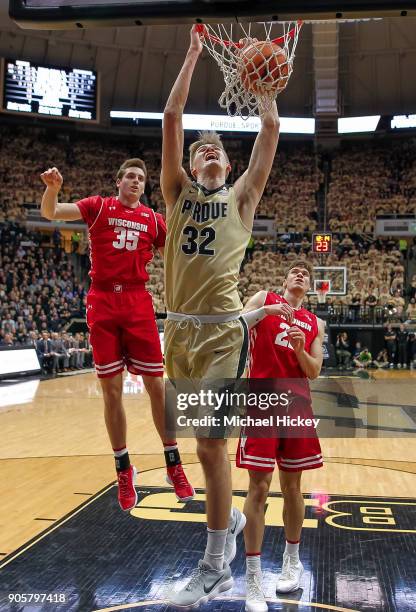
<point x="308" y="313"/>
<point x="93" y="199"/>
<point x="145" y="211"/>
<point x="273" y="298"/>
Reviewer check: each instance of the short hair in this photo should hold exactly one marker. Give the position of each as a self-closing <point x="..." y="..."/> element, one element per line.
<point x="203" y="139"/>
<point x="135" y="162"/>
<point x="300" y="263"/>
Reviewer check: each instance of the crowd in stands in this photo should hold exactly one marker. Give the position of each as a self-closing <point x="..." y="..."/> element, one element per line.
<point x="40" y="292"/>
<point x="370" y="180"/>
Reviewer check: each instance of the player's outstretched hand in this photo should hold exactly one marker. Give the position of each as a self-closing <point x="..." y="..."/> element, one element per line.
<point x="196" y="43"/>
<point x="281" y="310"/>
<point x="52" y="178"/>
<point x="296" y="338"/>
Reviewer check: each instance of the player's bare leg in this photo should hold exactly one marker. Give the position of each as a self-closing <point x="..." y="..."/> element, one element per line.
<point x="293" y="516"/>
<point x="258" y="491"/>
<point x="293" y="504"/>
<point x="175" y="474"/>
<point x="114" y="414"/>
<point x="115" y="420"/>
<point x="216" y="465"/>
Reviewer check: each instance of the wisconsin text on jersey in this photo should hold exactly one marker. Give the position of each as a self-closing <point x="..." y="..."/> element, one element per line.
<point x="126" y="223"/>
<point x="302" y="324"/>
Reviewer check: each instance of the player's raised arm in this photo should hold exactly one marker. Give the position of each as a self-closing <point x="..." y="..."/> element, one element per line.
<point x="50" y="208"/>
<point x="250" y="186"/>
<point x="173" y="176"/>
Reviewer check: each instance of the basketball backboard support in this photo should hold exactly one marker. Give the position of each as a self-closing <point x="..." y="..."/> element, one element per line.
<point x="336" y="276"/>
<point x="72" y="14"/>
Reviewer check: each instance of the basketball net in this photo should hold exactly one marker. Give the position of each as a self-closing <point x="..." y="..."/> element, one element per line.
<point x="322" y="288"/>
<point x="236" y="99"/>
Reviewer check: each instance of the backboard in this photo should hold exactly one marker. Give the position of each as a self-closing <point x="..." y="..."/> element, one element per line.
<point x="67" y="14"/>
<point x="336" y="275"/>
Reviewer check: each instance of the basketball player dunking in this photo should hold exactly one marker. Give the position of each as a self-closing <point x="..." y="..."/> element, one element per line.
<point x="123" y="234"/>
<point x="287" y="345"/>
<point x="208" y="227"/>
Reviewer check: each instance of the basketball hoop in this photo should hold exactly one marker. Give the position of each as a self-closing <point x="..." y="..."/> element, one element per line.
<point x="269" y="72"/>
<point x="322" y="287"/>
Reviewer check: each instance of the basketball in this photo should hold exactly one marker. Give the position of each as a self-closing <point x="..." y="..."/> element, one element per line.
<point x="264" y="67"/>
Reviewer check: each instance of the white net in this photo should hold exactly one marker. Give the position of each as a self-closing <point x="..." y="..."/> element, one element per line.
<point x="322" y="288"/>
<point x="257" y="67"/>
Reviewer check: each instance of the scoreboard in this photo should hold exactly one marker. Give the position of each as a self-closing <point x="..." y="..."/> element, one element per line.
<point x="322" y="242"/>
<point x="47" y="91"/>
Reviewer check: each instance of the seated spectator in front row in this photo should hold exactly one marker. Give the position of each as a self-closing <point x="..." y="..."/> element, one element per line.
<point x="342" y="350"/>
<point x="411" y="311"/>
<point x="382" y="360"/>
<point x="45" y="352"/>
<point x="7" y="340"/>
<point x="364" y="359"/>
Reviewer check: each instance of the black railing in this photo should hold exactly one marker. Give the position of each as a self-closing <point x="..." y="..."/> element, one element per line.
<point x="350" y="315"/>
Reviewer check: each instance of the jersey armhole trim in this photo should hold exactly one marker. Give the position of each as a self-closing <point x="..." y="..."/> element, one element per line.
<point x="99" y="213"/>
<point x="157" y="228"/>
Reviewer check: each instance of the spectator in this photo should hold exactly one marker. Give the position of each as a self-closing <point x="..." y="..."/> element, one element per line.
<point x="60" y="355"/>
<point x="357" y="350"/>
<point x="391" y="344"/>
<point x="382" y="360"/>
<point x="342" y="350"/>
<point x="411" y="311"/>
<point x="7" y="340"/>
<point x="44" y="350"/>
<point x="412" y="349"/>
<point x="402" y="338"/>
<point x="364" y="359"/>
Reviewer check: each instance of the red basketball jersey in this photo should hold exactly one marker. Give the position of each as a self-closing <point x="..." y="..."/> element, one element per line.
<point x="271" y="354"/>
<point x="121" y="239"/>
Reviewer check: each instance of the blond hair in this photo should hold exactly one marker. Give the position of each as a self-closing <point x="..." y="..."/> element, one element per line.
<point x="205" y="138"/>
<point x="135" y="162"/>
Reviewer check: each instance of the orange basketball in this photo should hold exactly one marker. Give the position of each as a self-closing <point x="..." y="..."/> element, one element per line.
<point x="265" y="67"/>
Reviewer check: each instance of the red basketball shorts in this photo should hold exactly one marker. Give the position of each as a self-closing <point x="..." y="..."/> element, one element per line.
<point x="292" y="454"/>
<point x="123" y="332"/>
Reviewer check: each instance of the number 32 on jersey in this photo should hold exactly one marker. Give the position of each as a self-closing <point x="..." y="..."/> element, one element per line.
<point x="198" y="241"/>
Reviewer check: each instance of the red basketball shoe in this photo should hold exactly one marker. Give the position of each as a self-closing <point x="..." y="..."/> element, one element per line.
<point x="177" y="478"/>
<point x="127" y="496"/>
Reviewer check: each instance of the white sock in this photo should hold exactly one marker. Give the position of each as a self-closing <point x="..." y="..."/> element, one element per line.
<point x="214" y="552"/>
<point x="120" y="452"/>
<point x="253" y="564"/>
<point x="231" y="519"/>
<point x="170" y="447"/>
<point x="292" y="549"/>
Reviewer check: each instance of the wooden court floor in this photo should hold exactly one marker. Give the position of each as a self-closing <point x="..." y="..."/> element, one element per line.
<point x="55" y="454"/>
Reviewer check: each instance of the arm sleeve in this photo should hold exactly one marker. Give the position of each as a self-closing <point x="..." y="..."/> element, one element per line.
<point x="89" y="208"/>
<point x="161" y="231"/>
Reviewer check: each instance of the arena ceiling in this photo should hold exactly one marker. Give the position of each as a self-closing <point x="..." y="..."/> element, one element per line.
<point x="359" y="68"/>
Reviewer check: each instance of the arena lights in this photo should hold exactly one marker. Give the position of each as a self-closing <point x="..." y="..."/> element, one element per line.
<point x="222" y="123"/>
<point x="350" y="125"/>
<point x="403" y="121"/>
